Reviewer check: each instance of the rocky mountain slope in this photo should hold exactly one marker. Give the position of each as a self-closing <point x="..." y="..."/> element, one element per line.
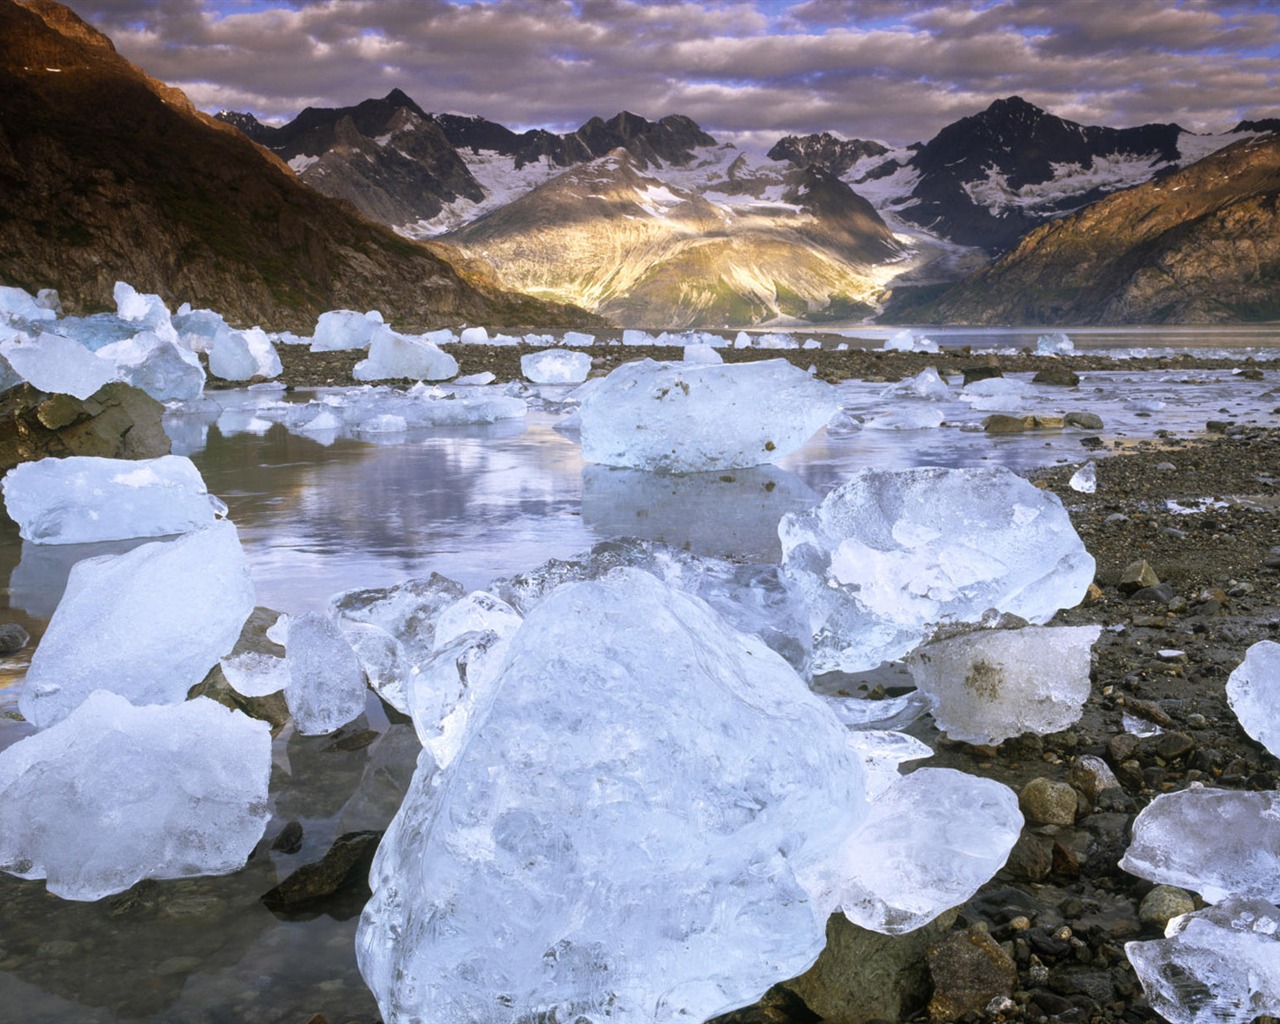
<point x="178" y="204"/>
<point x="615" y="239"/>
<point x="1199" y="245"/>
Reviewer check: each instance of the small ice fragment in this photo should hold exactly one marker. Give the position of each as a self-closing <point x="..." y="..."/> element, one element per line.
<point x="891" y="713"/>
<point x="554" y="366"/>
<point x="1253" y="691"/>
<point x="253" y="674"/>
<point x="386" y="667"/>
<point x="1140" y="727"/>
<point x="1216" y="842"/>
<point x="691" y="417"/>
<point x="1085" y="479"/>
<point x="326" y="681"/>
<point x="906" y="418"/>
<point x="394" y="356"/>
<point x="148" y="624"/>
<point x="992" y="684"/>
<point x="909" y="341"/>
<point x="576" y="339"/>
<point x="278" y="631"/>
<point x="383" y="423"/>
<point x="701" y="354"/>
<point x="344" y="329"/>
<point x="926" y="384"/>
<point x="81" y="499"/>
<point x="20" y="304"/>
<point x="1056" y="344"/>
<point x="476" y="379"/>
<point x="115" y="793"/>
<point x="1220" y="965"/>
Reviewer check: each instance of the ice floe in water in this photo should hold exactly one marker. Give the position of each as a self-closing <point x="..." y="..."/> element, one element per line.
<point x="393" y="356"/>
<point x="992" y="684"/>
<point x="1220" y="965"/>
<point x="889" y="554"/>
<point x="1217" y="842"/>
<point x="115" y="793"/>
<point x="556" y="367"/>
<point x="595" y="850"/>
<point x="691" y="417"/>
<point x="147" y="624"/>
<point x="1253" y="691"/>
<point x="81" y="499"/>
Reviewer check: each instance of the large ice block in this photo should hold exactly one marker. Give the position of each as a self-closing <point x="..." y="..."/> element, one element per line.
<point x="242" y="355"/>
<point x="148" y="624"/>
<point x="556" y="366"/>
<point x="891" y="553"/>
<point x="116" y="793"/>
<point x="392" y="356"/>
<point x="992" y="684"/>
<point x="326" y="687"/>
<point x="344" y="328"/>
<point x="1253" y="691"/>
<point x="1220" y="965"/>
<point x="163" y="369"/>
<point x="82" y="499"/>
<point x="624" y="834"/>
<point x="690" y="417"/>
<point x="1217" y="842"/>
<point x="58" y="365"/>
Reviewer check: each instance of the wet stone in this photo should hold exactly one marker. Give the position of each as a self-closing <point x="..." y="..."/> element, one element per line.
<point x="350" y="855"/>
<point x="1161" y="593"/>
<point x="1031" y="859"/>
<point x="290" y="838"/>
<point x="12" y="638"/>
<point x="969" y="970"/>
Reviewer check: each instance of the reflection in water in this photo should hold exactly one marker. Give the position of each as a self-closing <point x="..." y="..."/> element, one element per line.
<point x="733" y="514"/>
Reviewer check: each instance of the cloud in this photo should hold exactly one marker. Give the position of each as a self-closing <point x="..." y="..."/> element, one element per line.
<point x="896" y="70"/>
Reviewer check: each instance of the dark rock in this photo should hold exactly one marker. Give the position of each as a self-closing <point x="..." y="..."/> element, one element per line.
<point x="977" y="373"/>
<point x="1060" y="376"/>
<point x="272" y="708"/>
<point x="779" y="1005"/>
<point x="1171" y="745"/>
<point x="863" y="976"/>
<point x="1091" y="776"/>
<point x="969" y="970"/>
<point x="1161" y="593"/>
<point x="1031" y="859"/>
<point x="1121" y="747"/>
<point x="346" y="862"/>
<point x="290" y="838"/>
<point x="12" y="638"/>
<point x="116" y="422"/>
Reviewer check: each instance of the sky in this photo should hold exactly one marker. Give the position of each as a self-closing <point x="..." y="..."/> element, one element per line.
<point x="745" y="70"/>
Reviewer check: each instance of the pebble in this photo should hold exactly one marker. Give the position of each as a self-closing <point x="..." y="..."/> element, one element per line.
<point x="1138" y="575"/>
<point x="1162" y="904"/>
<point x="1045" y="802"/>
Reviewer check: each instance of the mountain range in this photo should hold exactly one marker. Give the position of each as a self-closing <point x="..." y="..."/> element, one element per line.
<point x="657" y="223"/>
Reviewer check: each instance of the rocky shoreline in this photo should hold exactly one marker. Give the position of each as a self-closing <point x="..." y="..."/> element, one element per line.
<point x="1044" y="940"/>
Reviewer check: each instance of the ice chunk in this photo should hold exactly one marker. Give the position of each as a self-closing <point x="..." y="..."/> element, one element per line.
<point x="1217" y="842"/>
<point x="476" y="379"/>
<point x="254" y="674"/>
<point x="383" y="423"/>
<point x="477" y="612"/>
<point x="407" y="611"/>
<point x="862" y="713"/>
<point x="883" y="752"/>
<point x="631" y="336"/>
<point x="81" y="499"/>
<point x="992" y="684"/>
<point x="909" y="341"/>
<point x="1253" y="691"/>
<point x="386" y="666"/>
<point x="997" y="394"/>
<point x="576" y="339"/>
<point x="198" y="327"/>
<point x="147" y="624"/>
<point x="1216" y="966"/>
<point x="147" y="310"/>
<point x="326" y="681"/>
<point x="474" y="336"/>
<point x="20" y="304"/>
<point x="892" y="552"/>
<point x="343" y="329"/>
<point x="595" y="850"/>
<point x="58" y="365"/>
<point x="1085" y="479"/>
<point x="453" y="690"/>
<point x="689" y="417"/>
<point x="926" y="384"/>
<point x="163" y="369"/>
<point x="908" y="418"/>
<point x="1056" y="344"/>
<point x="393" y="355"/>
<point x="554" y="366"/>
<point x="241" y="355"/>
<point x="929" y="841"/>
<point x="702" y="354"/>
<point x="115" y="793"/>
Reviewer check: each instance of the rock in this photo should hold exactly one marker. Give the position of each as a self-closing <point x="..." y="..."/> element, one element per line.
<point x="290" y="838"/>
<point x="1161" y="593"/>
<point x="1002" y="423"/>
<point x="12" y="638"/>
<point x="117" y="421"/>
<point x="1031" y="859"/>
<point x="1136" y="576"/>
<point x="1046" y="802"/>
<point x="1091" y="775"/>
<point x="1162" y="904"/>
<point x="862" y="975"/>
<point x="271" y="708"/>
<point x="347" y="860"/>
<point x="977" y="373"/>
<point x="969" y="970"/>
<point x="1169" y="746"/>
<point x="1121" y="747"/>
<point x="1084" y="420"/>
<point x="1058" y="376"/>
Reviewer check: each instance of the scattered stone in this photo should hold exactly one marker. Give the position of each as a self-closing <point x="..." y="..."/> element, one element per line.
<point x="1031" y="859"/>
<point x="290" y="838"/>
<point x="969" y="970"/>
<point x="348" y="860"/>
<point x="1091" y="776"/>
<point x="972" y="374"/>
<point x="1003" y="423"/>
<point x="1046" y="802"/>
<point x="1161" y="593"/>
<point x="1137" y="576"/>
<point x="12" y="638"/>
<point x="1162" y="904"/>
<point x="1058" y="376"/>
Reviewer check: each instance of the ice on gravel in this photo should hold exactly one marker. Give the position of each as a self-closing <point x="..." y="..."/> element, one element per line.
<point x="326" y="688"/>
<point x="891" y="553"/>
<point x="1253" y="691"/>
<point x="992" y="684"/>
<point x="393" y="356"/>
<point x="116" y="793"/>
<point x="344" y="329"/>
<point x="690" y="417"/>
<point x="147" y="624"/>
<point x="554" y="366"/>
<point x="1217" y="842"/>
<point x="58" y="365"/>
<point x="597" y="851"/>
<point x="242" y="355"/>
<point x="82" y="499"/>
<point x="1220" y="965"/>
<point x="1085" y="479"/>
